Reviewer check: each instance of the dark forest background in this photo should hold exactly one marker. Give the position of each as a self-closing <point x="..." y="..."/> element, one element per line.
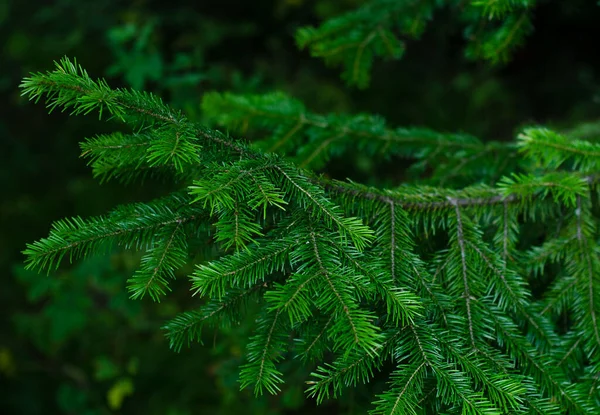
<point x="72" y="342"/>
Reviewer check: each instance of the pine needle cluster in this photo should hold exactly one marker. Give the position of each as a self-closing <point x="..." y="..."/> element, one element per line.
<point x="440" y="287"/>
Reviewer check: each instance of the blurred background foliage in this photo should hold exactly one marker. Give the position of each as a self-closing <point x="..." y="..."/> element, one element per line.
<point x="73" y="343"/>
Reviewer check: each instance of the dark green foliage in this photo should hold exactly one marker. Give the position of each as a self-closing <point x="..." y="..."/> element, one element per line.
<point x="311" y="139"/>
<point x="494" y="28"/>
<point x="471" y="288"/>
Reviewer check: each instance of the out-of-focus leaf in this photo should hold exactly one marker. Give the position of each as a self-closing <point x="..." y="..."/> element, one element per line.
<point x="118" y="392"/>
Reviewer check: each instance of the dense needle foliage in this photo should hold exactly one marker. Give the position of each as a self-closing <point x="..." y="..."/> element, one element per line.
<point x="436" y="283"/>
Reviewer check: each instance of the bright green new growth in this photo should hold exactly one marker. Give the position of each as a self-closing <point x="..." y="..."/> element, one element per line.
<point x="456" y="286"/>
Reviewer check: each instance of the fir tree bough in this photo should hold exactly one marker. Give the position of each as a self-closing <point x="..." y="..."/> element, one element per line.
<point x="439" y="288"/>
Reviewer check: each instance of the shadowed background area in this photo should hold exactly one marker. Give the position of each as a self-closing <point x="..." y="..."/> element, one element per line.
<point x="73" y="342"/>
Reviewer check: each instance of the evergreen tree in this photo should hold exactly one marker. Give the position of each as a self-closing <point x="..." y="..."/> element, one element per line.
<point x="473" y="286"/>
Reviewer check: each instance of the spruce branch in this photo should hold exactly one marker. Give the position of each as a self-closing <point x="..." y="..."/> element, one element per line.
<point x="354" y="38"/>
<point x="312" y="345"/>
<point x="542" y="369"/>
<point x="499" y="8"/>
<point x="497" y="46"/>
<point x="186" y="327"/>
<point x="131" y="226"/>
<point x="264" y="351"/>
<point x="402" y="305"/>
<point x="322" y="136"/>
<point x="160" y="263"/>
<point x="313" y="198"/>
<point x="494" y="29"/>
<point x="466" y="321"/>
<point x="402" y="396"/>
<point x="330" y="379"/>
<point x="505" y="390"/>
<point x="585" y="267"/>
<point x="463" y="259"/>
<point x="69" y="86"/>
<point x="242" y="269"/>
<point x="516" y="297"/>
<point x="552" y="150"/>
<point x="353" y="327"/>
<point x="562" y="187"/>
